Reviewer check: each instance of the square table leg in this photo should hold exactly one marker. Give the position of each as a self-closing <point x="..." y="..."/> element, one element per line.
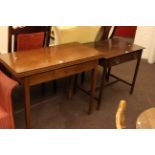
<point x="135" y="73"/>
<point x="93" y="87"/>
<point x="27" y="104"/>
<point x="70" y="86"/>
<point x="103" y="78"/>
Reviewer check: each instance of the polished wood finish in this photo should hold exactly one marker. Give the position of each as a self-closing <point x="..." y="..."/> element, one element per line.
<point x="146" y="120"/>
<point x="116" y="51"/>
<point x="51" y="63"/>
<point x="23" y="64"/>
<point x="29" y="37"/>
<point x="120" y="116"/>
<point x="115" y="47"/>
<point x="60" y="72"/>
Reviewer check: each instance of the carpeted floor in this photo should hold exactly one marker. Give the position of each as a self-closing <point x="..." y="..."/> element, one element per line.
<point x="56" y="111"/>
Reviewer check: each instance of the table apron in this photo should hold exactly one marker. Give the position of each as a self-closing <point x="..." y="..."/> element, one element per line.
<point x="122" y="59"/>
<point x="60" y="73"/>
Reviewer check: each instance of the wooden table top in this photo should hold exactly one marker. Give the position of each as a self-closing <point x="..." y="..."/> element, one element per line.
<point x="115" y="47"/>
<point x="146" y="119"/>
<point x="29" y="62"/>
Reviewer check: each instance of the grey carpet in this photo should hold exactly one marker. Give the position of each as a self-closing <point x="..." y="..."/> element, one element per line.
<point x="55" y="111"/>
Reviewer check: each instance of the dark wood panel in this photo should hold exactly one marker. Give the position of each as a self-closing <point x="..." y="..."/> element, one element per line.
<point x="63" y="72"/>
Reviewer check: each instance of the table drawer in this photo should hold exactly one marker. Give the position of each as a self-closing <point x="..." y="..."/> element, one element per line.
<point x="123" y="58"/>
<point x="62" y="72"/>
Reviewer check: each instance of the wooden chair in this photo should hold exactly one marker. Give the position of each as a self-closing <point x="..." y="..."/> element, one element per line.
<point x="118" y="31"/>
<point x="120" y="117"/>
<point x="28" y="37"/>
<point x="6" y="111"/>
<point x="124" y="31"/>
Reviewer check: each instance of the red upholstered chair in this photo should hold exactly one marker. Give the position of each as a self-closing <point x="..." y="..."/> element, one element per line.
<point x="125" y="31"/>
<point x="6" y="113"/>
<point x="118" y="31"/>
<point x="28" y="37"/>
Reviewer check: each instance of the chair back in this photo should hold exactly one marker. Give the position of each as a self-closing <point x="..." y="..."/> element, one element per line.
<point x="105" y="30"/>
<point x="125" y="31"/>
<point x="28" y="37"/>
<point x="118" y="31"/>
<point x="6" y="111"/>
<point x="120" y="117"/>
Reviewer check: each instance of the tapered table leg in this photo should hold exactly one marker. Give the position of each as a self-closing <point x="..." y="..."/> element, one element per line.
<point x="70" y="86"/>
<point x="102" y="86"/>
<point x="135" y="73"/>
<point x="93" y="87"/>
<point x="27" y="104"/>
<point x="108" y="74"/>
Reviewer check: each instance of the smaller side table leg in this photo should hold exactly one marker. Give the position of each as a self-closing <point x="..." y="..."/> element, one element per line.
<point x="135" y="74"/>
<point x="108" y="74"/>
<point x="70" y="86"/>
<point x="93" y="87"/>
<point x="27" y="104"/>
<point x="102" y="86"/>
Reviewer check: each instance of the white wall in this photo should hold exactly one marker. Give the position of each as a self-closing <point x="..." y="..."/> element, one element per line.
<point x="3" y="39"/>
<point x="145" y="36"/>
